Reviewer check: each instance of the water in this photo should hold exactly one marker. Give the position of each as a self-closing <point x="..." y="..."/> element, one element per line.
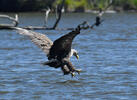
<point x="108" y="58"/>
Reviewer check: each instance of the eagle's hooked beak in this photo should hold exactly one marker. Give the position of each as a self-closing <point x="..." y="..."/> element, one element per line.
<point x="76" y="55"/>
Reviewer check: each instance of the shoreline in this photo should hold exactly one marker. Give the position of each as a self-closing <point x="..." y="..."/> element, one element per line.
<point x="73" y="11"/>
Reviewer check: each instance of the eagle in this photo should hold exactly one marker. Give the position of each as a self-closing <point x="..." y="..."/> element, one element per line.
<point x="58" y="52"/>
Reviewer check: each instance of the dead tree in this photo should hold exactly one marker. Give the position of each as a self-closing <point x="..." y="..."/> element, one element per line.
<point x="46" y="16"/>
<point x="58" y="13"/>
<point x="85" y="25"/>
<point x="8" y="26"/>
<point x="59" y="9"/>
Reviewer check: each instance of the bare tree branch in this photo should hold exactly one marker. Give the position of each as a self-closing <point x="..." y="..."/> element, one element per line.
<point x="46" y="16"/>
<point x="14" y="23"/>
<point x="59" y="13"/>
<point x="83" y="26"/>
<point x="58" y="17"/>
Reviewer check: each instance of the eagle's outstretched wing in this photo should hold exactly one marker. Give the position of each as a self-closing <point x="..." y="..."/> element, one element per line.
<point x="62" y="46"/>
<point x="41" y="40"/>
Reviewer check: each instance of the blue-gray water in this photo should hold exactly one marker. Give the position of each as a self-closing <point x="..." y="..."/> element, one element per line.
<point x="108" y="58"/>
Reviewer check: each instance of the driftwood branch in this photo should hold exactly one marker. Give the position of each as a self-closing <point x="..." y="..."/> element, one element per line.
<point x="83" y="26"/>
<point x="8" y="26"/>
<point x="46" y="16"/>
<point x="58" y="13"/>
<point x="58" y="17"/>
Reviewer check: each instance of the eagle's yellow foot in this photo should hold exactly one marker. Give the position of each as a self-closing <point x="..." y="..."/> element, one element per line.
<point x="72" y="74"/>
<point x="78" y="70"/>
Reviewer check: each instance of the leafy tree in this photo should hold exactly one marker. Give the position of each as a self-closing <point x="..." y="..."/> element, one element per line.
<point x="35" y="5"/>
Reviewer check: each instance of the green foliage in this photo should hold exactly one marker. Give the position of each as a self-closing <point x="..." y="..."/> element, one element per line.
<point x="72" y="4"/>
<point x="126" y="3"/>
<point x="24" y="5"/>
<point x="134" y="3"/>
<point x="34" y="5"/>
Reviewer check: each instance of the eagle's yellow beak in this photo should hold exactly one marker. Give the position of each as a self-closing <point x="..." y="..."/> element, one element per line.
<point x="76" y="55"/>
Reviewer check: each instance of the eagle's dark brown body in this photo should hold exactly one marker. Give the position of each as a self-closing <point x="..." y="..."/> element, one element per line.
<point x="62" y="46"/>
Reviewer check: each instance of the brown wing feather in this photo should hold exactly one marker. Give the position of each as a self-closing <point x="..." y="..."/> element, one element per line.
<point x="41" y="40"/>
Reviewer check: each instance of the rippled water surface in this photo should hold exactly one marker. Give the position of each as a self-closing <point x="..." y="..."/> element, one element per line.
<point x="108" y="59"/>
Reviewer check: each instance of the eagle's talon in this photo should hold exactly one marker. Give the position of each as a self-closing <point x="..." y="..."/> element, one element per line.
<point x="78" y="71"/>
<point x="72" y="74"/>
